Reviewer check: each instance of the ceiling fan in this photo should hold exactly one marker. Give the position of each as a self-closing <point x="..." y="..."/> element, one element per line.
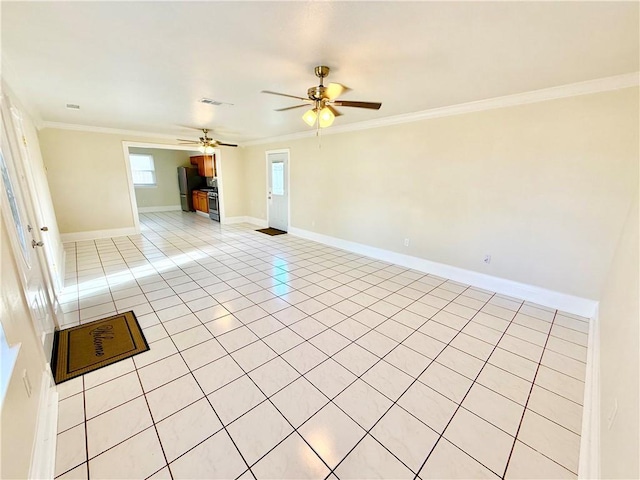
<point x="206" y="144"/>
<point x="323" y="99"/>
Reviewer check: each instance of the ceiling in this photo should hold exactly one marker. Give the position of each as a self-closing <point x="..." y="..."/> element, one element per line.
<point x="144" y="65"/>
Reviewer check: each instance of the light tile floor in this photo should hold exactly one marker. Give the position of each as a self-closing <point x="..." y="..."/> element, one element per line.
<point x="277" y="357"/>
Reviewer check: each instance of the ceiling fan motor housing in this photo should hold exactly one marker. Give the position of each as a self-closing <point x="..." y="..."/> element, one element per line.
<point x="317" y="93"/>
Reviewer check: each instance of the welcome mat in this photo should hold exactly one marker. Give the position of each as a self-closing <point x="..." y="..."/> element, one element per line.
<point x="88" y="347"/>
<point x="271" y="231"/>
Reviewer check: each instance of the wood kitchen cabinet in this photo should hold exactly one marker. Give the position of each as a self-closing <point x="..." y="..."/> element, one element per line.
<point x="206" y="165"/>
<point x="200" y="201"/>
<point x="195" y="199"/>
<point x="203" y="202"/>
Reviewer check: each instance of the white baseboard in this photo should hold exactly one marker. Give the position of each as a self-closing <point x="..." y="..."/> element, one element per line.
<point x="589" y="462"/>
<point x="257" y="221"/>
<point x="562" y="301"/>
<point x="252" y="220"/>
<point x="163" y="208"/>
<point x="202" y="214"/>
<point x="43" y="455"/>
<point x="96" y="234"/>
<point x="232" y="220"/>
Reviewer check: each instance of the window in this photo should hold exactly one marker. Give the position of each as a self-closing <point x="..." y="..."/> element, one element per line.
<point x="142" y="170"/>
<point x="277" y="178"/>
<point x="15" y="211"/>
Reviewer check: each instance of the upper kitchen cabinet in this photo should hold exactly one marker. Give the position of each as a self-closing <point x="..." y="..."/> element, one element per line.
<point x="206" y="165"/>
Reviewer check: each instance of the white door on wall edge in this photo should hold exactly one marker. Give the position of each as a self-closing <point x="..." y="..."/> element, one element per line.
<point x="18" y="219"/>
<point x="278" y="189"/>
<point x="34" y="203"/>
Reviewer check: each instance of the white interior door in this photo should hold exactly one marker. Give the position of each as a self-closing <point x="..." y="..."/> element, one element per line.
<point x="19" y="222"/>
<point x="278" y="189"/>
<point x="35" y="201"/>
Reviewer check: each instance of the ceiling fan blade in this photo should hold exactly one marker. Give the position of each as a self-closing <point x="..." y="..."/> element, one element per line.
<point x="334" y="90"/>
<point x="333" y="110"/>
<point x="226" y="144"/>
<point x="189" y="141"/>
<point x="290" y="108"/>
<point x="283" y="95"/>
<point x="349" y="103"/>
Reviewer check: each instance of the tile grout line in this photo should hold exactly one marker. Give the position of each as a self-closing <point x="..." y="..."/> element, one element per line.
<point x="424" y="293"/>
<point x="302" y="375"/>
<point x="153" y="423"/>
<point x="363" y="307"/>
<point x="224" y="427"/>
<point x="268" y="398"/>
<point x="533" y="384"/>
<point x="395" y="402"/>
<point x="441" y="435"/>
<point x="142" y="395"/>
<point x="84" y="399"/>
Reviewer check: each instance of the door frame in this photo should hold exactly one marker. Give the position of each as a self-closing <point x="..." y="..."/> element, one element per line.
<point x="53" y="265"/>
<point x="266" y="156"/>
<point x="166" y="146"/>
<point x="15" y="161"/>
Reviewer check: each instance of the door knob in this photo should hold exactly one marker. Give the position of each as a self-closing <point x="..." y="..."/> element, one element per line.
<point x="35" y="244"/>
<point x="45" y="229"/>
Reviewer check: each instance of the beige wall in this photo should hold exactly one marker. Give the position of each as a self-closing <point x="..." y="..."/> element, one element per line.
<point x="88" y="179"/>
<point x="166" y="162"/>
<point x="619" y="318"/>
<point x="543" y="188"/>
<point x="234" y="190"/>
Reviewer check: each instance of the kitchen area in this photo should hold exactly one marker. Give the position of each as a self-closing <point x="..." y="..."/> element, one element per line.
<point x="181" y="179"/>
<point x="198" y="186"/>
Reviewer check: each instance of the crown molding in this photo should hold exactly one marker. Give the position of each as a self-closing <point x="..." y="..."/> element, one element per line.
<point x="616" y="82"/>
<point x="107" y="130"/>
<point x="570" y="90"/>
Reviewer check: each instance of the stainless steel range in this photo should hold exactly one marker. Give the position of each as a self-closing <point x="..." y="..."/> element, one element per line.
<point x="214" y="205"/>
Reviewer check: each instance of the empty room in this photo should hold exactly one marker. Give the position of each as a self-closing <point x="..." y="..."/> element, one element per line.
<point x="320" y="240"/>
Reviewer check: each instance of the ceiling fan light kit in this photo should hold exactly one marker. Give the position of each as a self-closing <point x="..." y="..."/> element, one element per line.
<point x="324" y="116"/>
<point x="322" y="99"/>
<point x="208" y="149"/>
<point x="310" y="117"/>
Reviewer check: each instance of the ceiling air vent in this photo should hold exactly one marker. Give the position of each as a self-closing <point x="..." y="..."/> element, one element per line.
<point x="73" y="106"/>
<point x="210" y="101"/>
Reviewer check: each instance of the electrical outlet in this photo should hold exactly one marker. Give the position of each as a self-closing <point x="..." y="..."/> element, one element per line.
<point x="487" y="259"/>
<point x="313" y="223"/>
<point x="406" y="242"/>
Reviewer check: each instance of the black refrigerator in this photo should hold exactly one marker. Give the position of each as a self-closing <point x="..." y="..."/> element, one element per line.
<point x="188" y="180"/>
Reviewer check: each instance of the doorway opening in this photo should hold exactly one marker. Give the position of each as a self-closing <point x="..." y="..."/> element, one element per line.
<point x="171" y="182"/>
